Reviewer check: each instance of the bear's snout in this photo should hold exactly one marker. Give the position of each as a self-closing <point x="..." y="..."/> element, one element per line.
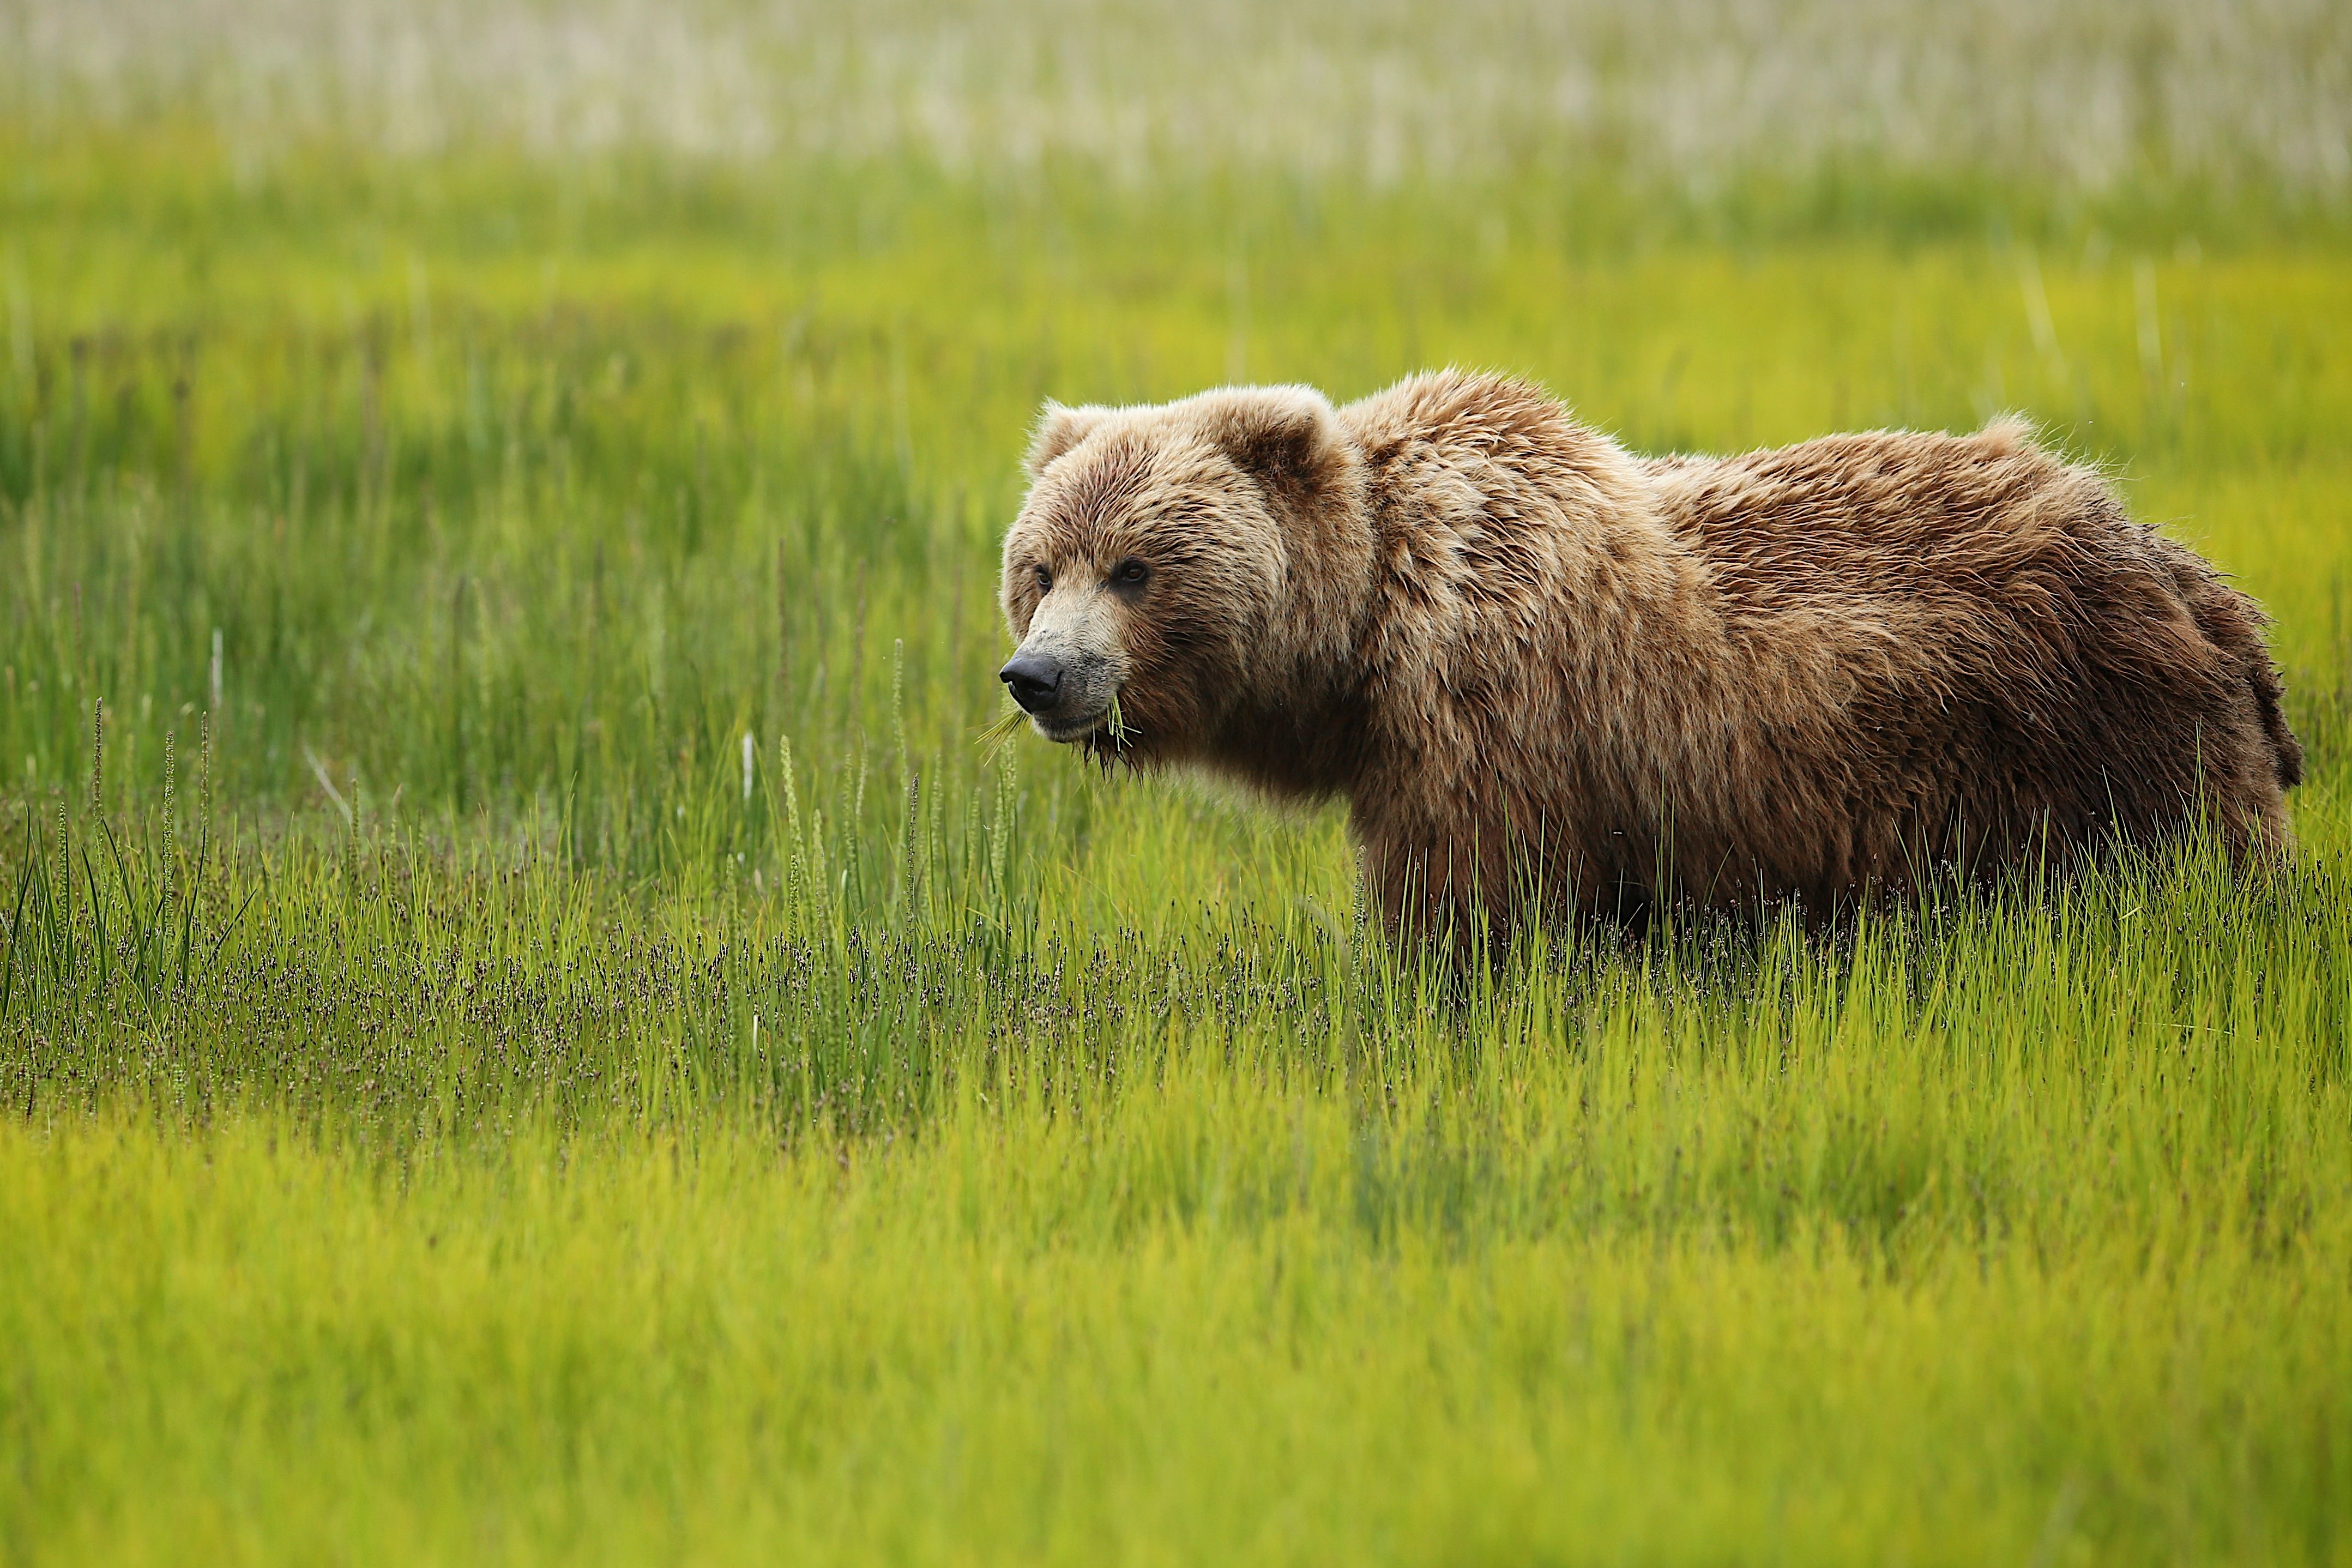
<point x="1070" y="665"/>
<point x="1035" y="679"/>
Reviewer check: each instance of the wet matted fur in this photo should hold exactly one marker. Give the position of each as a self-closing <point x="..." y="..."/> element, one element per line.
<point x="1541" y="667"/>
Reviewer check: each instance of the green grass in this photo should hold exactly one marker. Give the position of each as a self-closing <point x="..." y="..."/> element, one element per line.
<point x="456" y="1112"/>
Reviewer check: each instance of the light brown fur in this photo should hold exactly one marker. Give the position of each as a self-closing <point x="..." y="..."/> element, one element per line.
<point x="1539" y="666"/>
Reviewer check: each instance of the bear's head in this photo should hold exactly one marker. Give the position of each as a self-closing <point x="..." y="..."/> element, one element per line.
<point x="1204" y="563"/>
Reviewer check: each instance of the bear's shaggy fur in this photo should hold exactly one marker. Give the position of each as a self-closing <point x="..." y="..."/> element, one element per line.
<point x="1539" y="666"/>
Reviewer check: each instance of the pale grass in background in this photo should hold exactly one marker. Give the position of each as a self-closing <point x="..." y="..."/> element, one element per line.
<point x="2080" y="93"/>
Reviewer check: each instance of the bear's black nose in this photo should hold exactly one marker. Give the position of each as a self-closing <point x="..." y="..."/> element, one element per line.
<point x="1035" y="678"/>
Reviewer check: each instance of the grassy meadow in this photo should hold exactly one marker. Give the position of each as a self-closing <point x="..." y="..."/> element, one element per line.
<point x="531" y="1028"/>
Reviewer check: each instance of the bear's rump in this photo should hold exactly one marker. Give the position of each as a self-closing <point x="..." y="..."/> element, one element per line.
<point x="1959" y="650"/>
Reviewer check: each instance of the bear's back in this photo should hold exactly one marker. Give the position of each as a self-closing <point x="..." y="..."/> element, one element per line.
<point x="1905" y="522"/>
<point x="1987" y="633"/>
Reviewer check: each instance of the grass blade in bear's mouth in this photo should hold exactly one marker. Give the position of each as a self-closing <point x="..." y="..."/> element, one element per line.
<point x="1107" y="742"/>
<point x="997" y="733"/>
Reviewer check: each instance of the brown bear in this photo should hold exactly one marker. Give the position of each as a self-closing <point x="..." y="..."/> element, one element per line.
<point x="1548" y="674"/>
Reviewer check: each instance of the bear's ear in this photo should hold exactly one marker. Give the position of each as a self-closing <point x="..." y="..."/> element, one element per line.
<point x="1058" y="429"/>
<point x="1286" y="437"/>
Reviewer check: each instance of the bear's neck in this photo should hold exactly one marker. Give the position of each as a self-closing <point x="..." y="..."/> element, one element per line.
<point x="1520" y="603"/>
<point x="1311" y="747"/>
<point x="1300" y="733"/>
<point x="1491" y="595"/>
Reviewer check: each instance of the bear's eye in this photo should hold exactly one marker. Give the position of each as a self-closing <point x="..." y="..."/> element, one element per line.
<point x="1045" y="580"/>
<point x="1130" y="574"/>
